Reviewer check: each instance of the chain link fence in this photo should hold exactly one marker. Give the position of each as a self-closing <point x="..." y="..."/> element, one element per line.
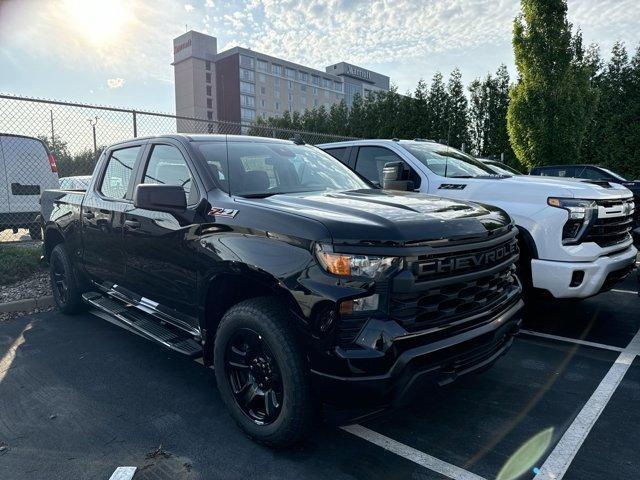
<point x="76" y="134"/>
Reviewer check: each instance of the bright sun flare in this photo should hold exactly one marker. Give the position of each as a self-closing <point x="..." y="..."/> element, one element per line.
<point x="99" y="21"/>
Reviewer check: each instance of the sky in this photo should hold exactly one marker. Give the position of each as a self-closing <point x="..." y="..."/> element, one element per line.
<point x="119" y="52"/>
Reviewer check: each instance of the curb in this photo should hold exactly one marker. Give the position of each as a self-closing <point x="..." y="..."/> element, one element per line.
<point x="27" y="304"/>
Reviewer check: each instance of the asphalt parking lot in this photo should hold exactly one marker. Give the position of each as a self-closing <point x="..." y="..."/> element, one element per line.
<point x="80" y="397"/>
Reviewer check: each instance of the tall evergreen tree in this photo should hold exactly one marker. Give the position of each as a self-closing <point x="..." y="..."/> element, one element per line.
<point x="551" y="103"/>
<point x="458" y="117"/>
<point x="438" y="110"/>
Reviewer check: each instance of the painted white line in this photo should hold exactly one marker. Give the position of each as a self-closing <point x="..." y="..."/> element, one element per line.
<point x="623" y="291"/>
<point x="557" y="463"/>
<point x="416" y="456"/>
<point x="572" y="340"/>
<point x="123" y="473"/>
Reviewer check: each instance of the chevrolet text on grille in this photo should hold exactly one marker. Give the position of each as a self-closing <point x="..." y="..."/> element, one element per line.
<point x="464" y="262"/>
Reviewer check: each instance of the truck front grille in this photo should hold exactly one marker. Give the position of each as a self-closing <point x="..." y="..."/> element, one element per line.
<point x="611" y="230"/>
<point x="455" y="301"/>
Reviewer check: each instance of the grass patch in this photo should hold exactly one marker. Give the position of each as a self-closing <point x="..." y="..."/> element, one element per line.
<point x="17" y="263"/>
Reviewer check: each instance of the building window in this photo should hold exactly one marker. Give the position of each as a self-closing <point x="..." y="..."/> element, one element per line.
<point x="337" y="86"/>
<point x="262" y="65"/>
<point x="276" y="69"/>
<point x="315" y="91"/>
<point x="207" y="65"/>
<point x="315" y="102"/>
<point x="246" y="61"/>
<point x="262" y="102"/>
<point x="290" y="73"/>
<point x="277" y="106"/>
<point x="263" y="90"/>
<point x="263" y="114"/>
<point x="276" y="92"/>
<point x="303" y="76"/>
<point x="209" y="103"/>
<point x="209" y="90"/>
<point x="247" y="87"/>
<point x="209" y="115"/>
<point x="247" y="101"/>
<point x="247" y="75"/>
<point x="208" y="77"/>
<point x="327" y="83"/>
<point x="315" y="79"/>
<point x="290" y="85"/>
<point x="262" y="77"/>
<point x="247" y="114"/>
<point x="303" y="88"/>
<point x="276" y="82"/>
<point x="290" y="107"/>
<point x="291" y="97"/>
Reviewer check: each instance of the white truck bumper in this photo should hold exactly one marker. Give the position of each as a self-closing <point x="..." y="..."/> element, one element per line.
<point x="556" y="277"/>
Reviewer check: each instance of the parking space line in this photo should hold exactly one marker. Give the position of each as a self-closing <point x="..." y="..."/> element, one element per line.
<point x="572" y="340"/>
<point x="623" y="291"/>
<point x="410" y="453"/>
<point x="557" y="463"/>
<point x="123" y="473"/>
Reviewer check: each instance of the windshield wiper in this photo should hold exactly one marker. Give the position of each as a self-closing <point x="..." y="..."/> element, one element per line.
<point x="461" y="176"/>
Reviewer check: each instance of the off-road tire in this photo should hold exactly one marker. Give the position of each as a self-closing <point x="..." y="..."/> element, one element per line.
<point x="272" y="321"/>
<point x="59" y="262"/>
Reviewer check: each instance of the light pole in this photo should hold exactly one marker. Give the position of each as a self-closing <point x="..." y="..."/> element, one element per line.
<point x="93" y="122"/>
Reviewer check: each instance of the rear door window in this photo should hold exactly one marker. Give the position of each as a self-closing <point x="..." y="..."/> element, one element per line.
<point x="117" y="175"/>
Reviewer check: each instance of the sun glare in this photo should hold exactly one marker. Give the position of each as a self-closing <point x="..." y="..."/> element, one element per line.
<point x="98" y="21"/>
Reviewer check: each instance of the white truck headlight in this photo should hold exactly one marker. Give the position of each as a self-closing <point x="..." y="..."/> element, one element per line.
<point x="581" y="213"/>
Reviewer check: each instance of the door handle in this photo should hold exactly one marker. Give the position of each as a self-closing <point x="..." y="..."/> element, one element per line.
<point x="88" y="215"/>
<point x="132" y="224"/>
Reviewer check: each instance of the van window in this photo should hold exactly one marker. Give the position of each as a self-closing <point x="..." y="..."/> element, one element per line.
<point x="167" y="166"/>
<point x="118" y="172"/>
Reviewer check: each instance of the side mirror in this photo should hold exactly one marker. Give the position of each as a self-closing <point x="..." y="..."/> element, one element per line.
<point x="161" y="198"/>
<point x="392" y="177"/>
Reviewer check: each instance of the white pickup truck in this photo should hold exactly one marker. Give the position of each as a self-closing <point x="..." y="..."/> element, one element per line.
<point x="574" y="235"/>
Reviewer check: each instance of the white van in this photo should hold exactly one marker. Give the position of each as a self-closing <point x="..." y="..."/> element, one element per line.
<point x="26" y="169"/>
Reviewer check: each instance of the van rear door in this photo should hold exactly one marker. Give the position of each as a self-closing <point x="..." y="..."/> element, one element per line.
<point x="28" y="172"/>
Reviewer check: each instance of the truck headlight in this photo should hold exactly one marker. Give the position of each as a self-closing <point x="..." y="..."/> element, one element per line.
<point x="581" y="213"/>
<point x="347" y="265"/>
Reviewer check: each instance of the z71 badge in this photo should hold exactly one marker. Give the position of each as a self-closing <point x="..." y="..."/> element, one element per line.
<point x="222" y="212"/>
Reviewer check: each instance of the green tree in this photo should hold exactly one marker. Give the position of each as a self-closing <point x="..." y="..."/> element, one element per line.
<point x="458" y="117"/>
<point x="551" y="103"/>
<point x="438" y="110"/>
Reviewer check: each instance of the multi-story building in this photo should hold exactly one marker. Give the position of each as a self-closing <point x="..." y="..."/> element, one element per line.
<point x="241" y="85"/>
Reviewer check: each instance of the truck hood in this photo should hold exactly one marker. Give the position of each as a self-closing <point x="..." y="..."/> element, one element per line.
<point x="566" y="187"/>
<point x="390" y="218"/>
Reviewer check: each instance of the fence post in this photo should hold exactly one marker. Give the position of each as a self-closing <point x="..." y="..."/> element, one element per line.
<point x="135" y="123"/>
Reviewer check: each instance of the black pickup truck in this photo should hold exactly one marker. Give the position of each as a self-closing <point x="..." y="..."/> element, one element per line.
<point x="298" y="281"/>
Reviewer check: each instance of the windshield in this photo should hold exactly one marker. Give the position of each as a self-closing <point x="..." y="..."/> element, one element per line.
<point x="613" y="174"/>
<point x="448" y="162"/>
<point x="264" y="169"/>
<point x="502" y="169"/>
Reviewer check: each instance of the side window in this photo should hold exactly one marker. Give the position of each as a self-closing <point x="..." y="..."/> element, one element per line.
<point x="371" y="161"/>
<point x="337" y="153"/>
<point x="167" y="166"/>
<point x="118" y="172"/>
<point x="594" y="174"/>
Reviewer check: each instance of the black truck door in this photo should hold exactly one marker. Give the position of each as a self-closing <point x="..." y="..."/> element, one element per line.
<point x="160" y="260"/>
<point x="102" y="216"/>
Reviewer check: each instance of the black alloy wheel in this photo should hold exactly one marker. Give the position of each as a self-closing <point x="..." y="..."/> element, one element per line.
<point x="59" y="280"/>
<point x="67" y="291"/>
<point x="254" y="376"/>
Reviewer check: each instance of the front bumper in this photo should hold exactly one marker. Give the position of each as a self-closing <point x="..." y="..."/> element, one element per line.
<point x="556" y="276"/>
<point x="426" y="363"/>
